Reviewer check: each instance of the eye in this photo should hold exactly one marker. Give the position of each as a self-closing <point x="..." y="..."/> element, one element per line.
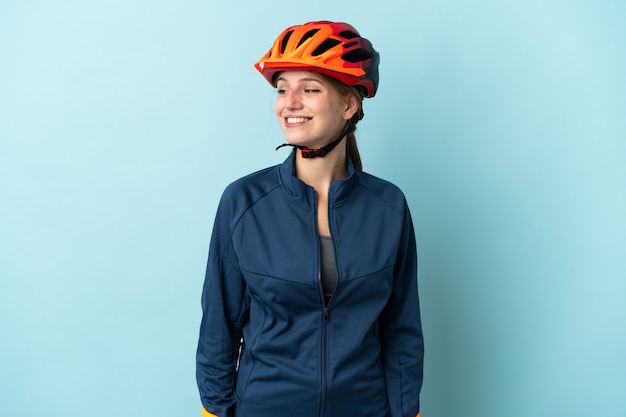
<point x="311" y="90"/>
<point x="281" y="91"/>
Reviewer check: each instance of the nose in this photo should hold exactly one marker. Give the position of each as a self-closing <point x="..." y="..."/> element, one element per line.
<point x="293" y="99"/>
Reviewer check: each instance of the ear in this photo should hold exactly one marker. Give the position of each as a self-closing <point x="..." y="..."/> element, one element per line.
<point x="352" y="105"/>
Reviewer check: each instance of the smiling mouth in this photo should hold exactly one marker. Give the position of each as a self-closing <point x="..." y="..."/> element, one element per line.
<point x="294" y="120"/>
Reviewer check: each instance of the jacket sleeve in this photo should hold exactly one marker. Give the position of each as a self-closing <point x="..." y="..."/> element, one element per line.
<point x="224" y="309"/>
<point x="402" y="343"/>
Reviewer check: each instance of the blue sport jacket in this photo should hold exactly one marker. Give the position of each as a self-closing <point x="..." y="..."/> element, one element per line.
<point x="269" y="345"/>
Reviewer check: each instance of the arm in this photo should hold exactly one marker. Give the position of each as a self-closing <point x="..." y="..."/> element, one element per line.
<point x="402" y="342"/>
<point x="224" y="307"/>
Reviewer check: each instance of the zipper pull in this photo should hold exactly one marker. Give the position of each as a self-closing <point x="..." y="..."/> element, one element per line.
<point x="325" y="314"/>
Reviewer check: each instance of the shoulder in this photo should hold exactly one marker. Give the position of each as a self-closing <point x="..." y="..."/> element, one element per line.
<point x="382" y="190"/>
<point x="259" y="181"/>
<point x="244" y="192"/>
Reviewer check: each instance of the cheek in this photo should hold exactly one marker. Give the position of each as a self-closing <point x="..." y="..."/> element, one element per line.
<point x="277" y="107"/>
<point x="336" y="108"/>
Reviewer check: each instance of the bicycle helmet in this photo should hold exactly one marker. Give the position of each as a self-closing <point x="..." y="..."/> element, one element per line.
<point x="332" y="48"/>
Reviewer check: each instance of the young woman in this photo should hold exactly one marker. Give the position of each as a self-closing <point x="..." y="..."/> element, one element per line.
<point x="310" y="303"/>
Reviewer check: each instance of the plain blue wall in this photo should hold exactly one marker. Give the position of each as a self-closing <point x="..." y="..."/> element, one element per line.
<point x="122" y="121"/>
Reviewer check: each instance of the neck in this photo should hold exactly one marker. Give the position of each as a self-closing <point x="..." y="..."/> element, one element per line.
<point x="319" y="173"/>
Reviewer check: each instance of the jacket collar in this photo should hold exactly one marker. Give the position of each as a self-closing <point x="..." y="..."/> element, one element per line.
<point x="305" y="194"/>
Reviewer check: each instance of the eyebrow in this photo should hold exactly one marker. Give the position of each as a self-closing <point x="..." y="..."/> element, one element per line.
<point x="300" y="80"/>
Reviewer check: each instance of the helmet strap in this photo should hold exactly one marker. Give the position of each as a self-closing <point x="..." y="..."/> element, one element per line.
<point x="319" y="152"/>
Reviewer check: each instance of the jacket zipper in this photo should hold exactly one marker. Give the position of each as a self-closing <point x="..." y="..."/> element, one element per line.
<point x="324" y="364"/>
<point x="325" y="313"/>
<point x="323" y="359"/>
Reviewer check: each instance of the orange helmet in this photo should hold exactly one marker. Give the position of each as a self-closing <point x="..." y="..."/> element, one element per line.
<point x="332" y="48"/>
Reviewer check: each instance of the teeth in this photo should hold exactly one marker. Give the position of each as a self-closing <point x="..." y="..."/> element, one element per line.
<point x="296" y="119"/>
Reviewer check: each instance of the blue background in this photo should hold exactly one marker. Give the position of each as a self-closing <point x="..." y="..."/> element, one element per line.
<point x="122" y="121"/>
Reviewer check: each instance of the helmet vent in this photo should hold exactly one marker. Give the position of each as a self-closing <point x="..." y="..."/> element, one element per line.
<point x="346" y="34"/>
<point x="283" y="44"/>
<point x="306" y="36"/>
<point x="325" y="46"/>
<point x="357" y="55"/>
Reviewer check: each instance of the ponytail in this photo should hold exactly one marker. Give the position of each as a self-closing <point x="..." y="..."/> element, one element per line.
<point x="353" y="151"/>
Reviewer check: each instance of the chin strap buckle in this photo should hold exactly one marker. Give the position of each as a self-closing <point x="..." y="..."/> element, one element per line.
<point x="307" y="153"/>
<point x="312" y="153"/>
